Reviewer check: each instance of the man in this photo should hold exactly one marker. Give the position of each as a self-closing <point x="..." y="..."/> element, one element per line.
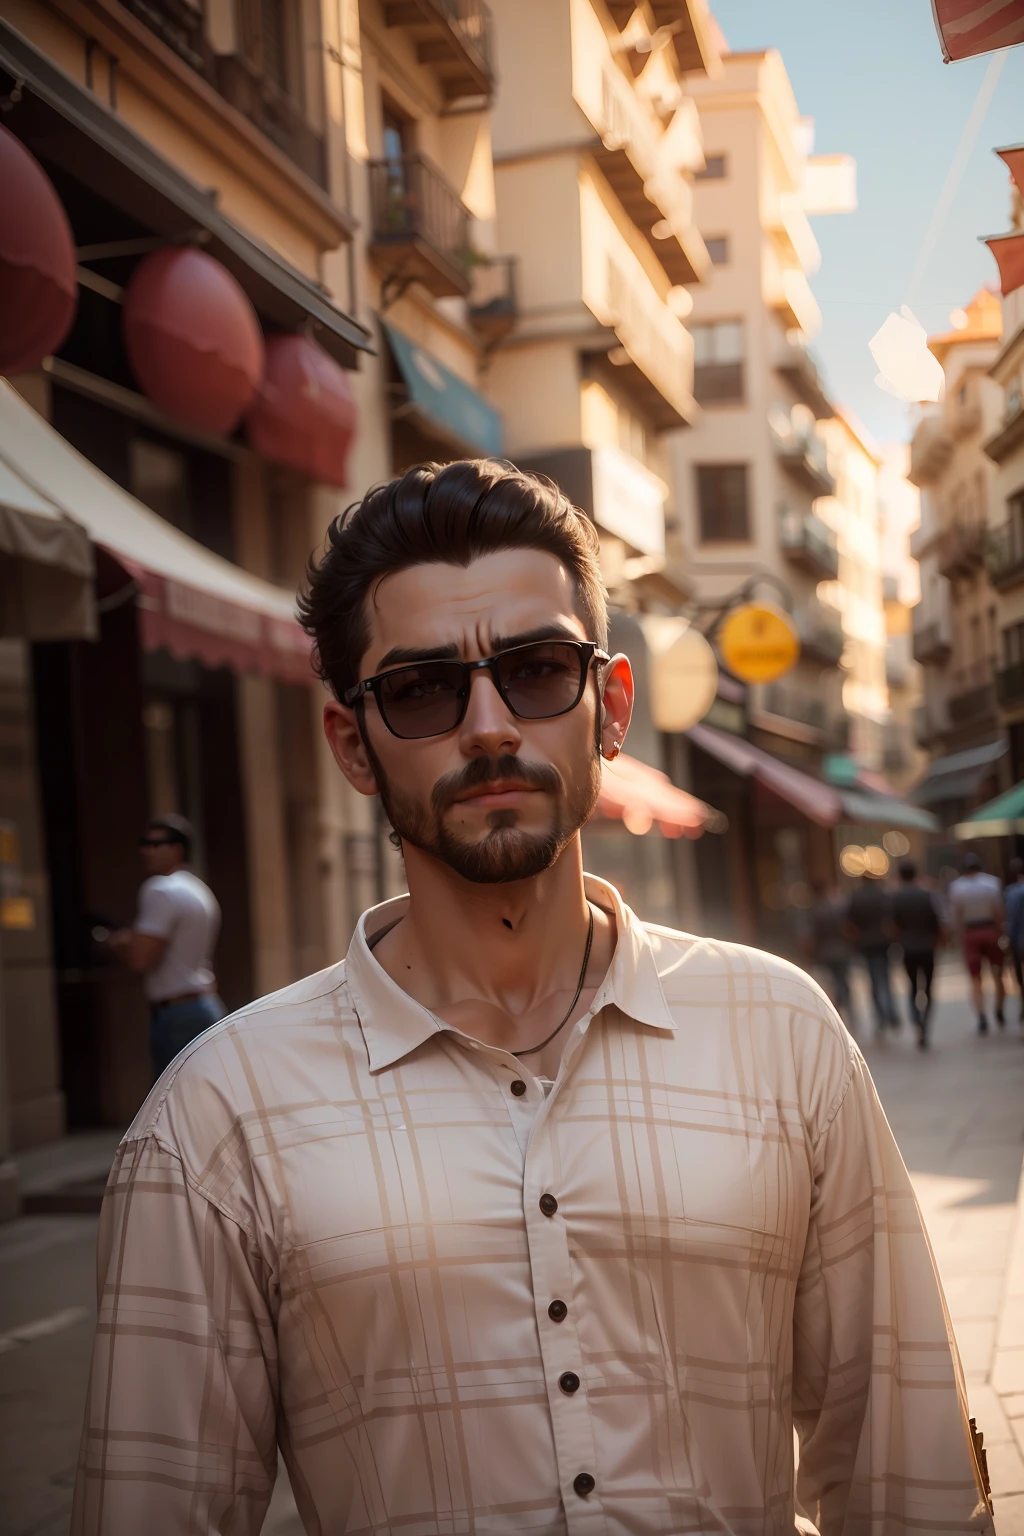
<point x="1013" y="902"/>
<point x="527" y="1217"/>
<point x="172" y="941"/>
<point x="918" y="926"/>
<point x="976" y="902"/>
<point x="869" y="918"/>
<point x="829" y="945"/>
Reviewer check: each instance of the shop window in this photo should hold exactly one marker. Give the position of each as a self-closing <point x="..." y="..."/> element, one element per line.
<point x="723" y="503"/>
<point x="715" y="169"/>
<point x="718" y="250"/>
<point x="718" y="361"/>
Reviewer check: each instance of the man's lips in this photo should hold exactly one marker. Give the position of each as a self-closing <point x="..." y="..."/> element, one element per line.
<point x="496" y="792"/>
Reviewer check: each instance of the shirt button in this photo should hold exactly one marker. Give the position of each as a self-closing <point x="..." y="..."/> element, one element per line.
<point x="569" y="1382"/>
<point x="583" y="1484"/>
<point x="548" y="1204"/>
<point x="558" y="1311"/>
<point x="518" y="1088"/>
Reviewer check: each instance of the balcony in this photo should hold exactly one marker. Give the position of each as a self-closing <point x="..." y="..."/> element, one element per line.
<point x="933" y="643"/>
<point x="1010" y="435"/>
<point x="961" y="548"/>
<point x="821" y="633"/>
<point x="419" y="227"/>
<point x="180" y="25"/>
<point x="931" y="449"/>
<point x="1004" y="555"/>
<point x="273" y="111"/>
<point x="493" y="307"/>
<point x="803" y="455"/>
<point x="1010" y="685"/>
<point x="796" y="365"/>
<point x="808" y="542"/>
<point x="454" y="38"/>
<point x="973" y="705"/>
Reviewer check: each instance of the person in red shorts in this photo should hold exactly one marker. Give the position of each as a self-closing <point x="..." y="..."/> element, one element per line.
<point x="976" y="900"/>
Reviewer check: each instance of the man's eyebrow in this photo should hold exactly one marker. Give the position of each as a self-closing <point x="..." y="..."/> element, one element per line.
<point x="400" y="655"/>
<point x="530" y="636"/>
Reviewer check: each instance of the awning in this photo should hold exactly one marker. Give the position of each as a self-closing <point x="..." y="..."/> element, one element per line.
<point x="958" y="775"/>
<point x="1001" y="817"/>
<point x="109" y="157"/>
<point x="873" y="810"/>
<point x="819" y="802"/>
<point x="446" y="406"/>
<point x="640" y="796"/>
<point x="46" y="567"/>
<point x="969" y="27"/>
<point x="1012" y="156"/>
<point x="191" y="602"/>
<point x="1008" y="251"/>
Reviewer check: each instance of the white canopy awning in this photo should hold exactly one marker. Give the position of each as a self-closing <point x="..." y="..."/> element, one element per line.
<point x="46" y="567"/>
<point x="191" y="601"/>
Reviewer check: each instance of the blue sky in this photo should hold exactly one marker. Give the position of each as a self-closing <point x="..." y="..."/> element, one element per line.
<point x="872" y="77"/>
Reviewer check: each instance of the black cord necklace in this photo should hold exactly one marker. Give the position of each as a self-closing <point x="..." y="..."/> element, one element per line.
<point x="532" y="1051"/>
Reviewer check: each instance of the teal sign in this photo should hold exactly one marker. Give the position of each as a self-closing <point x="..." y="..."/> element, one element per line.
<point x="446" y="403"/>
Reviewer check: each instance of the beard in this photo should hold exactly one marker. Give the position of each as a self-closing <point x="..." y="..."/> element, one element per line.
<point x="505" y="853"/>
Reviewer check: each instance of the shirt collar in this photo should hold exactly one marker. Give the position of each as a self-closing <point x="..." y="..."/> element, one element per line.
<point x="394" y="1024"/>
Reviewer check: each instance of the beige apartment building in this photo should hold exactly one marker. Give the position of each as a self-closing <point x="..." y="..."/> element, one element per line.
<point x="956" y="624"/>
<point x="899" y="504"/>
<point x="750" y="476"/>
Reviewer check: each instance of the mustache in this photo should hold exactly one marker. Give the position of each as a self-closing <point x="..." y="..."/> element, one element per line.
<point x="488" y="770"/>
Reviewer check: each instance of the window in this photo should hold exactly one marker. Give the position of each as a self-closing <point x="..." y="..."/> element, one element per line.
<point x="718" y="361"/>
<point x="714" y="169"/>
<point x="1013" y="645"/>
<point x="718" y="249"/>
<point x="722" y="503"/>
<point x="397" y="134"/>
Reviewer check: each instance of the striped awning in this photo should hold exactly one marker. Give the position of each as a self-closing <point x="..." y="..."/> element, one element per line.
<point x="968" y="27"/>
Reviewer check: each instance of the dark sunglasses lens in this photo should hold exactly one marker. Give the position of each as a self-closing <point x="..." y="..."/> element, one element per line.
<point x="541" y="680"/>
<point x="155" y="842"/>
<point x="425" y="700"/>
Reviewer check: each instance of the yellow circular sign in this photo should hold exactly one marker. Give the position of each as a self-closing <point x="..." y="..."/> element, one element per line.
<point x="758" y="642"/>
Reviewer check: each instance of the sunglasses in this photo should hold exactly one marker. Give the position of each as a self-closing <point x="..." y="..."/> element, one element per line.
<point x="537" y="681"/>
<point x="156" y="842"/>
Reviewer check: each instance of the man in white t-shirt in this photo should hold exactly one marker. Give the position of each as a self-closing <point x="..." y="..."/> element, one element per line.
<point x="172" y="940"/>
<point x="976" y="901"/>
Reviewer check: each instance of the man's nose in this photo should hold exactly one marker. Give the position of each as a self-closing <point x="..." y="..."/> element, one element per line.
<point x="488" y="727"/>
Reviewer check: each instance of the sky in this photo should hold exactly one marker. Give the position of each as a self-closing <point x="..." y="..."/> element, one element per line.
<point x="872" y="77"/>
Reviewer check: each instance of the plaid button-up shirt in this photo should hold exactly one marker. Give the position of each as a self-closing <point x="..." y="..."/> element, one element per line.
<point x="459" y="1308"/>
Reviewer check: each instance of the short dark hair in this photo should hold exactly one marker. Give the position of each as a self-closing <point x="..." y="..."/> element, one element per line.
<point x="439" y="514"/>
<point x="176" y="827"/>
<point x="908" y="870"/>
<point x="971" y="862"/>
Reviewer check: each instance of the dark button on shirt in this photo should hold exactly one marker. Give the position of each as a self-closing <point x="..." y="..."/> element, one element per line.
<point x="548" y="1204"/>
<point x="557" y="1311"/>
<point x="518" y="1088"/>
<point x="583" y="1484"/>
<point x="569" y="1382"/>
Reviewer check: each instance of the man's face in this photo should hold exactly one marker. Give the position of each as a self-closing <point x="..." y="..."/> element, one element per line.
<point x="497" y="798"/>
<point x="160" y="855"/>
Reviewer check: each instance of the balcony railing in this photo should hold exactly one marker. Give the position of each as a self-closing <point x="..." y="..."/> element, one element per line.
<point x="974" y="704"/>
<point x="931" y="449"/>
<point x="800" y="371"/>
<point x="420" y="228"/>
<point x="808" y="542"/>
<point x="1004" y="554"/>
<point x="1010" y="685"/>
<point x="933" y="642"/>
<point x="802" y="452"/>
<point x="180" y="26"/>
<point x="246" y="86"/>
<point x="454" y="36"/>
<point x="961" y="548"/>
<point x="493" y="306"/>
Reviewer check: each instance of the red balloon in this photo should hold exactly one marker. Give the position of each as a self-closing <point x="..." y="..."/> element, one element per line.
<point x="304" y="415"/>
<point x="192" y="338"/>
<point x="38" y="265"/>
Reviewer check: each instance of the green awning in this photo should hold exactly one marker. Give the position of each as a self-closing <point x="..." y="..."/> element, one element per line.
<point x="1001" y="817"/>
<point x="446" y="405"/>
<point x="883" y="811"/>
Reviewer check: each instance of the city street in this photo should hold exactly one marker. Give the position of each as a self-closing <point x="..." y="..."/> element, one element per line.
<point x="958" y="1114"/>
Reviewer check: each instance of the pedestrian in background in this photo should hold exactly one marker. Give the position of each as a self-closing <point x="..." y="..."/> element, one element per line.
<point x="1013" y="903"/>
<point x="917" y="923"/>
<point x="172" y="940"/>
<point x="829" y="945"/>
<point x="869" y="925"/>
<point x="976" y="902"/>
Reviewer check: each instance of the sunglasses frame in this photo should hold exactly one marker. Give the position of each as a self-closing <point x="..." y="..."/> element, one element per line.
<point x="588" y="652"/>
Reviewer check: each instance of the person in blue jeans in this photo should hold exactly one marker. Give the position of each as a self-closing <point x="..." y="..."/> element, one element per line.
<point x="172" y="940"/>
<point x="869" y="925"/>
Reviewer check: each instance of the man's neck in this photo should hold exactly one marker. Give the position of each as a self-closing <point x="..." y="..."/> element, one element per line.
<point x="499" y="962"/>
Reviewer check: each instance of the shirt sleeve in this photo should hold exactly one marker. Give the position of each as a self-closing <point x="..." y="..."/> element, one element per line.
<point x="156" y="912"/>
<point x="879" y="1403"/>
<point x="179" y="1434"/>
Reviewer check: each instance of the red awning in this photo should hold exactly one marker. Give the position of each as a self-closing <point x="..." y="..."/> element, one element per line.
<point x="819" y="802"/>
<point x="967" y="27"/>
<point x="191" y="602"/>
<point x="1008" y="251"/>
<point x="1013" y="158"/>
<point x="640" y="796"/>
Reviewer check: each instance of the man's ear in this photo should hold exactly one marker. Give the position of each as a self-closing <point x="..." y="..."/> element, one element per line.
<point x="346" y="742"/>
<point x="616" y="704"/>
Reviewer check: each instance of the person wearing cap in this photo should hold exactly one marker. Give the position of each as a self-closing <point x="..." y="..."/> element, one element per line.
<point x="976" y="901"/>
<point x="172" y="940"/>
